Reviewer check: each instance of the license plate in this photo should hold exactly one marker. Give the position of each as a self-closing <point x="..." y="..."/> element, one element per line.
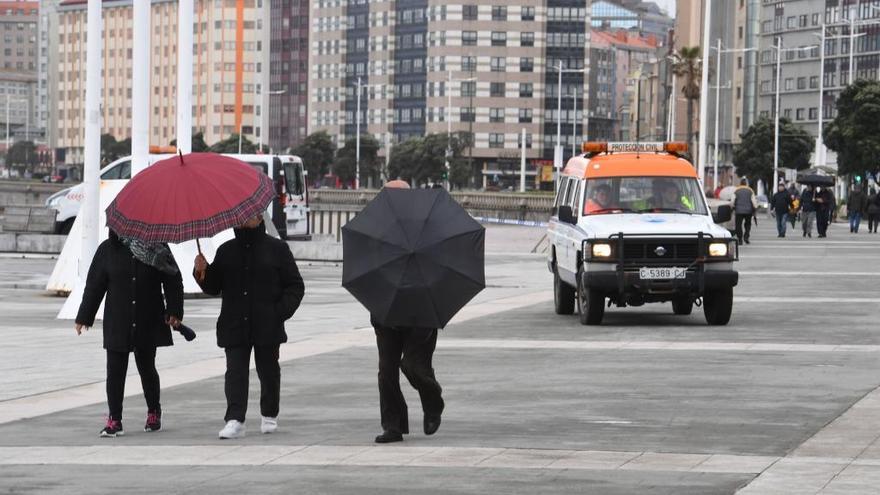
<point x="665" y="273"/>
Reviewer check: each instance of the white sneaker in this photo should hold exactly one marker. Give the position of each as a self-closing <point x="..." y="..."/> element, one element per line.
<point x="233" y="429"/>
<point x="269" y="425"/>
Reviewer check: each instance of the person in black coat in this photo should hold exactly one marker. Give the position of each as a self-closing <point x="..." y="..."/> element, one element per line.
<point x="134" y="278"/>
<point x="411" y="350"/>
<point x="261" y="288"/>
<point x="781" y="203"/>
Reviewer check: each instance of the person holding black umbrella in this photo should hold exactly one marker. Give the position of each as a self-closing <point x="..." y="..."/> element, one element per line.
<point x="144" y="292"/>
<point x="824" y="206"/>
<point x="413" y="258"/>
<point x="261" y="288"/>
<point x="808" y="210"/>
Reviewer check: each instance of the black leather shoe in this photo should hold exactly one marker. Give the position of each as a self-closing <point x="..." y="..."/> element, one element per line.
<point x="390" y="437"/>
<point x="432" y="423"/>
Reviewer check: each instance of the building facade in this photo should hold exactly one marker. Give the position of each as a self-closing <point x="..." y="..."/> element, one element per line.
<point x="230" y="70"/>
<point x="289" y="72"/>
<point x="488" y="69"/>
<point x="644" y="18"/>
<point x="18" y="70"/>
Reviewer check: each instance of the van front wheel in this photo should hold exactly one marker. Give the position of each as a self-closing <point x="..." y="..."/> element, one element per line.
<point x="591" y="304"/>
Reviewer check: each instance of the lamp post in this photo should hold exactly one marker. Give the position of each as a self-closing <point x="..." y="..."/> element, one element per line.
<point x="779" y="51"/>
<point x="557" y="154"/>
<point x="704" y="91"/>
<point x="448" y="113"/>
<point x="718" y="52"/>
<point x="357" y="151"/>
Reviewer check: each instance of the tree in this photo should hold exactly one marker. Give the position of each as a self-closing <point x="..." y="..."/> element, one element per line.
<point x="198" y="144"/>
<point x="317" y="151"/>
<point x="22" y="155"/>
<point x="230" y="145"/>
<point x="424" y="159"/>
<point x="108" y="149"/>
<point x="345" y="165"/>
<point x="855" y="133"/>
<point x="753" y="158"/>
<point x="688" y="65"/>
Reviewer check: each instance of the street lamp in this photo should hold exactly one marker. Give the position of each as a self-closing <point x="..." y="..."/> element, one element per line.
<point x="718" y="87"/>
<point x="449" y="119"/>
<point x="557" y="154"/>
<point x="779" y="51"/>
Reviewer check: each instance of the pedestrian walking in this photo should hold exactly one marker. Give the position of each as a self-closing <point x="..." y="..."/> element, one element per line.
<point x="808" y="211"/>
<point x="744" y="206"/>
<point x="795" y="208"/>
<point x="438" y="253"/>
<point x="873" y="211"/>
<point x="144" y="292"/>
<point x="261" y="288"/>
<point x="781" y="203"/>
<point x="824" y="206"/>
<point x="856" y="205"/>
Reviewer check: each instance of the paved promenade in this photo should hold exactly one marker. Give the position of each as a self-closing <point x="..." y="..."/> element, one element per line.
<point x="784" y="400"/>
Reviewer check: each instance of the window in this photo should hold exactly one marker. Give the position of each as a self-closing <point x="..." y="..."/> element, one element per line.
<point x="526" y="64"/>
<point x="802" y="21"/>
<point x="469" y="64"/>
<point x="815" y="19"/>
<point x="527" y="39"/>
<point x="499" y="13"/>
<point x="499" y="64"/>
<point x="469" y="38"/>
<point x="814" y="82"/>
<point x="789" y="84"/>
<point x="496" y="140"/>
<point x="814" y="113"/>
<point x="467" y="114"/>
<point x="468" y="88"/>
<point x="496" y="89"/>
<point x="800" y="114"/>
<point x="526" y="90"/>
<point x="496" y="115"/>
<point x="527" y="14"/>
<point x="499" y="38"/>
<point x="791" y="22"/>
<point x="469" y="12"/>
<point x="802" y="83"/>
<point x="525" y="115"/>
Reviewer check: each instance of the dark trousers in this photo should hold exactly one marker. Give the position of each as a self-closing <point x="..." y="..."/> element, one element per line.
<point x="823" y="217"/>
<point x="873" y="221"/>
<point x="409" y="350"/>
<point x="238" y="362"/>
<point x="743" y="226"/>
<point x="117" y="368"/>
<point x="780" y="222"/>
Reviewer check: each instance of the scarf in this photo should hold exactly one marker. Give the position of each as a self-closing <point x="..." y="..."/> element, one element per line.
<point x="156" y="255"/>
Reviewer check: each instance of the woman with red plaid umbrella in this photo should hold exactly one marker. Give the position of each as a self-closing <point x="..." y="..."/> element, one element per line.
<point x="144" y="292"/>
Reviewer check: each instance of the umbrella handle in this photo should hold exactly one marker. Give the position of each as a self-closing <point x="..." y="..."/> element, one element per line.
<point x="199" y="246"/>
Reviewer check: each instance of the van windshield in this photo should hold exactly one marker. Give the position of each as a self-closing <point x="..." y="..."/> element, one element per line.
<point x="644" y="195"/>
<point x="293" y="178"/>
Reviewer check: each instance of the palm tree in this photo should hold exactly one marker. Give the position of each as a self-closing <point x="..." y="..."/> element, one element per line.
<point x="687" y="66"/>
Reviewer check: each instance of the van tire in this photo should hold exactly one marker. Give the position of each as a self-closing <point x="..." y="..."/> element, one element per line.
<point x="682" y="305"/>
<point x="591" y="304"/>
<point x="563" y="296"/>
<point x="718" y="306"/>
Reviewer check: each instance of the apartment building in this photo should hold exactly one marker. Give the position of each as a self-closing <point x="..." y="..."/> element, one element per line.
<point x="18" y="69"/>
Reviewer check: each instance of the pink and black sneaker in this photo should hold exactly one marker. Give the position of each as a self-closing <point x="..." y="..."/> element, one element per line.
<point x="113" y="429"/>
<point x="154" y="421"/>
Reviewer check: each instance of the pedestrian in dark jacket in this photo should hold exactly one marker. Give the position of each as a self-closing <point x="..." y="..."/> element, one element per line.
<point x="134" y="277"/>
<point x="824" y="201"/>
<point x="411" y="350"/>
<point x="261" y="288"/>
<point x="873" y="211"/>
<point x="856" y="206"/>
<point x="808" y="211"/>
<point x="744" y="206"/>
<point x="781" y="203"/>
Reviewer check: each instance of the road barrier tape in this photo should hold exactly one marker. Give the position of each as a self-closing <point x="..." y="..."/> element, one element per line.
<point x="507" y="221"/>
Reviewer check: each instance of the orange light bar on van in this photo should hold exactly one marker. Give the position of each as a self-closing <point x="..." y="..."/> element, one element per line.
<point x="160" y="150"/>
<point x="594" y="147"/>
<point x="675" y="147"/>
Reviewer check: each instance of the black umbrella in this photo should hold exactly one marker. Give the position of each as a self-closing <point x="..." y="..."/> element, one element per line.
<point x="413" y="257"/>
<point x="813" y="177"/>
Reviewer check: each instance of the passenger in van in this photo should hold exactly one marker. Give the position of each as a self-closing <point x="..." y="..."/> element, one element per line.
<point x="601" y="199"/>
<point x="669" y="197"/>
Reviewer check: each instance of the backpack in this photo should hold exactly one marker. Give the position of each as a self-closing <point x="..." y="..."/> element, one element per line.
<point x="795" y="205"/>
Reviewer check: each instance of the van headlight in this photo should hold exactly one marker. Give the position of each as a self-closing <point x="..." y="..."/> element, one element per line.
<point x="601" y="250"/>
<point x="718" y="249"/>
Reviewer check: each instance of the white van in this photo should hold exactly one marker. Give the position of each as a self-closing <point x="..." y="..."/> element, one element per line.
<point x="289" y="211"/>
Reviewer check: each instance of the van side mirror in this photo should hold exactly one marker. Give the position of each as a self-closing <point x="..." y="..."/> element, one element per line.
<point x="723" y="215"/>
<point x="566" y="215"/>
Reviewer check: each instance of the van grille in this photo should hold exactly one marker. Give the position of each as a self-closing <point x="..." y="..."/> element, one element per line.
<point x="678" y="251"/>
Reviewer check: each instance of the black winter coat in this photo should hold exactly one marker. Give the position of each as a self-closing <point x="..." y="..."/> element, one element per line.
<point x="260" y="285"/>
<point x="135" y="310"/>
<point x="781" y="202"/>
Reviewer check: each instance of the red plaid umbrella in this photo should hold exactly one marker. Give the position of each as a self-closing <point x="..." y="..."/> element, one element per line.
<point x="187" y="197"/>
